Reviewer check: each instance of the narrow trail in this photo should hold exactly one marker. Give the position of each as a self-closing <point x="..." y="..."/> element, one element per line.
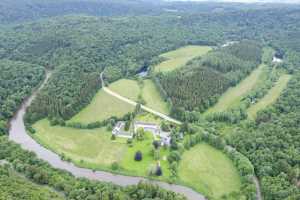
<point x="154" y="112"/>
<point x="18" y="134"/>
<point x="258" y="190"/>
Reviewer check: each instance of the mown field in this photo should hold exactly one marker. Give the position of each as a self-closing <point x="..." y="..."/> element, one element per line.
<point x="203" y="167"/>
<point x="209" y="171"/>
<point x="94" y="148"/>
<point x="270" y="97"/>
<point x="131" y="89"/>
<point x="233" y="95"/>
<point x="179" y="57"/>
<point x="103" y="106"/>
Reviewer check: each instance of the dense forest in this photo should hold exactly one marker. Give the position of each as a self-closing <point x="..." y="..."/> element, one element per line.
<point x="75" y="43"/>
<point x="17" y="81"/>
<point x="272" y="144"/>
<point x="197" y="86"/>
<point x="14" y="186"/>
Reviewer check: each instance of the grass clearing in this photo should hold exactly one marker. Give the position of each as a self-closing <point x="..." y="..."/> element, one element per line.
<point x="209" y="171"/>
<point x="270" y="97"/>
<point x="153" y="98"/>
<point x="180" y="57"/>
<point x="233" y="95"/>
<point x="103" y="106"/>
<point x="94" y="148"/>
<point x="126" y="88"/>
<point x="142" y="168"/>
<point x="131" y="90"/>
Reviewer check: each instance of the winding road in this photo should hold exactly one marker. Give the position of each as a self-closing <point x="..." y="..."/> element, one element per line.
<point x="17" y="133"/>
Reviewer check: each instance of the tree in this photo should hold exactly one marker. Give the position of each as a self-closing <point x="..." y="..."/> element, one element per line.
<point x="156" y="144"/>
<point x="140" y="134"/>
<point x="158" y="171"/>
<point x="138" y="156"/>
<point x="127" y="125"/>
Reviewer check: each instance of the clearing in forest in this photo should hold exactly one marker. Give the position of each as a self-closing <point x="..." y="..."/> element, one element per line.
<point x="179" y="57"/>
<point x="146" y="89"/>
<point x="233" y="95"/>
<point x="270" y="97"/>
<point x="94" y="149"/>
<point x="103" y="106"/>
<point x="209" y="171"/>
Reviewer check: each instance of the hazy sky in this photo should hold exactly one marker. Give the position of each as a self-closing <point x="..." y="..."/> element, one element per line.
<point x="248" y="1"/>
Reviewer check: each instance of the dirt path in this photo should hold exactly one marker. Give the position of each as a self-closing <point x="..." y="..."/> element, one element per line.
<point x="258" y="190"/>
<point x="154" y="112"/>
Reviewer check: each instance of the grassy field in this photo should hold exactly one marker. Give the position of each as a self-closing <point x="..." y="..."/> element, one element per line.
<point x="233" y="95"/>
<point x="179" y="57"/>
<point x="102" y="107"/>
<point x="94" y="148"/>
<point x="270" y="97"/>
<point x="142" y="168"/>
<point x="131" y="90"/>
<point x="153" y="98"/>
<point x="209" y="171"/>
<point x="126" y="88"/>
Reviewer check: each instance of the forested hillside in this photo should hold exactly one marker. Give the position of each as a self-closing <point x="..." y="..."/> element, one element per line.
<point x="93" y="43"/>
<point x="17" y="80"/>
<point x="13" y="186"/>
<point x="272" y="144"/>
<point x="24" y="10"/>
<point x="198" y="85"/>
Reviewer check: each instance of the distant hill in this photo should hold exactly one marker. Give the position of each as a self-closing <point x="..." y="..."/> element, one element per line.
<point x="22" y="10"/>
<point x="245" y="1"/>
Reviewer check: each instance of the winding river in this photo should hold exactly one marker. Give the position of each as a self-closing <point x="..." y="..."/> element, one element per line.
<point x="17" y="133"/>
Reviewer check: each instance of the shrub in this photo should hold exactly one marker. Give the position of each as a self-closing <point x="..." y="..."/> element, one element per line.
<point x="158" y="171"/>
<point x="129" y="141"/>
<point x="156" y="144"/>
<point x="115" y="166"/>
<point x="113" y="137"/>
<point x="138" y="156"/>
<point x="174" y="156"/>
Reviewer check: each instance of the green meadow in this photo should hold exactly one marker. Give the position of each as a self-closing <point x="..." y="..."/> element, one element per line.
<point x="179" y="57"/>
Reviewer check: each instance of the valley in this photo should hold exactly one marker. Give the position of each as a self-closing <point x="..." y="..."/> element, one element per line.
<point x="136" y="100"/>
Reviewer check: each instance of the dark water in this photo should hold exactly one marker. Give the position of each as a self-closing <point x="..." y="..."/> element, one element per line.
<point x="17" y="133"/>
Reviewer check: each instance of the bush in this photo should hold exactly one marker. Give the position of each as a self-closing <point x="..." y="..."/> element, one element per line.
<point x="129" y="141"/>
<point x="113" y="137"/>
<point x="115" y="166"/>
<point x="156" y="144"/>
<point x="138" y="156"/>
<point x="174" y="156"/>
<point x="158" y="171"/>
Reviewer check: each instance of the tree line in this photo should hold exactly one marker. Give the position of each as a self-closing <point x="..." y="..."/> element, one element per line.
<point x="17" y="81"/>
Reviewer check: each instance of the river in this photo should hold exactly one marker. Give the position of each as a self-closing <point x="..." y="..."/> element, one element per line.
<point x="18" y="134"/>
